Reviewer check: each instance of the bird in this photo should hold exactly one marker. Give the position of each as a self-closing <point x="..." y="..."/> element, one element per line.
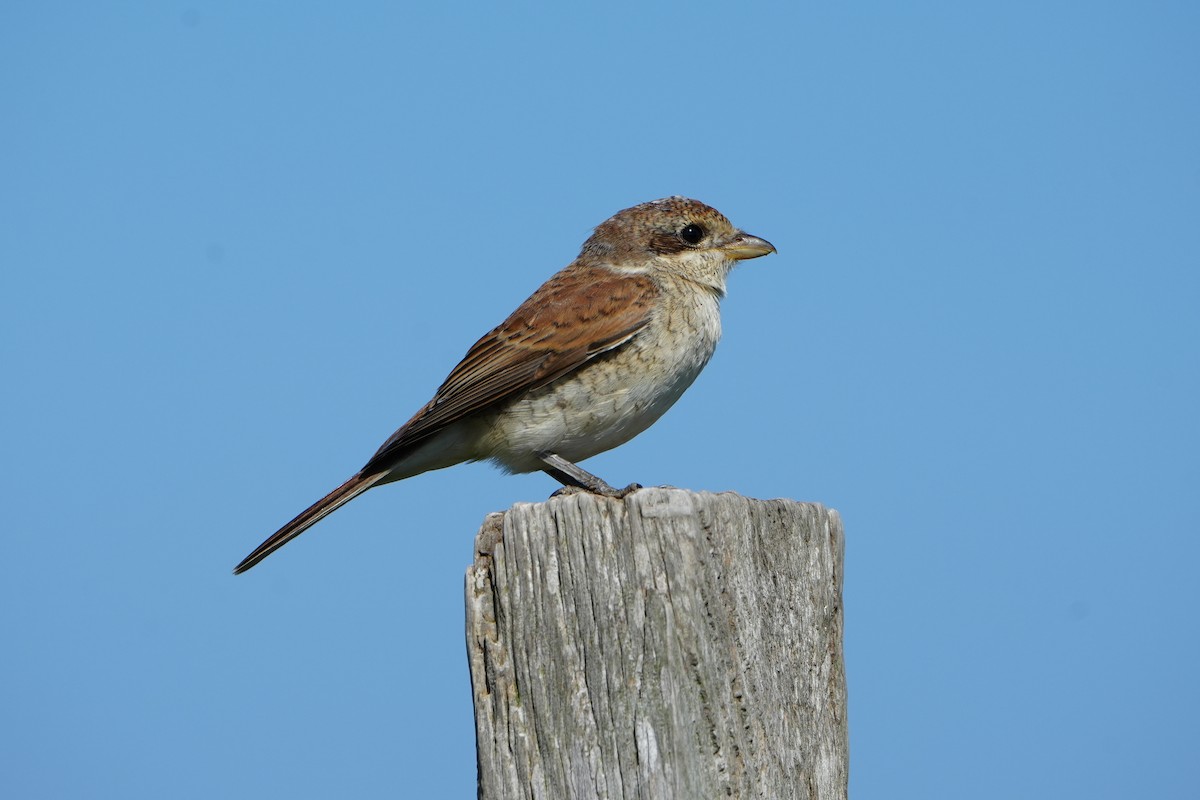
<point x="594" y="357"/>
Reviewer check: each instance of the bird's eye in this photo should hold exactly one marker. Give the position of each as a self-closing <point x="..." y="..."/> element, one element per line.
<point x="692" y="234"/>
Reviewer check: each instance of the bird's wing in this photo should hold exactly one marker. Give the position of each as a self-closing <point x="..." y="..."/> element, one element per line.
<point x="574" y="317"/>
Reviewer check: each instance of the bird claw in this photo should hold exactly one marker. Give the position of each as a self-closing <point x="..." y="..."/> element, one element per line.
<point x="602" y="491"/>
<point x="567" y="491"/>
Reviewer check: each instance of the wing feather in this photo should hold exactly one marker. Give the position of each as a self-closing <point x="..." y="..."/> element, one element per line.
<point x="574" y="317"/>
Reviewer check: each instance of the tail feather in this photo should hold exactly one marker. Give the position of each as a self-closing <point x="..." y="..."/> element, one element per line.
<point x="309" y="517"/>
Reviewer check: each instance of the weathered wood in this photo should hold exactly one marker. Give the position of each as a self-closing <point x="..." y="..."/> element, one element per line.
<point x="669" y="645"/>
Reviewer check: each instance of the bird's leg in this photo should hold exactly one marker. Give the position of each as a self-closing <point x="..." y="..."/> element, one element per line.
<point x="575" y="478"/>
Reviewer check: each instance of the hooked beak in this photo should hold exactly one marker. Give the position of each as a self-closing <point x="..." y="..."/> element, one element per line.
<point x="743" y="246"/>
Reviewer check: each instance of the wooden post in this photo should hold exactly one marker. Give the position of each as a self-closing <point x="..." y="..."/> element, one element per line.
<point x="669" y="645"/>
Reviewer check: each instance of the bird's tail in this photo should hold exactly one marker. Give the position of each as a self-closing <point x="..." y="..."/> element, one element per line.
<point x="310" y="516"/>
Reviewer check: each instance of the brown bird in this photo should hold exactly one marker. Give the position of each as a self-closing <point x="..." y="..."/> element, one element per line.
<point x="593" y="358"/>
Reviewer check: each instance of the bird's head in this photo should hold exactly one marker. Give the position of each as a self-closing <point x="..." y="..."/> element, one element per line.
<point x="674" y="235"/>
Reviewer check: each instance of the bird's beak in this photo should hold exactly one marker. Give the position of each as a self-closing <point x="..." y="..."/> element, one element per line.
<point x="743" y="246"/>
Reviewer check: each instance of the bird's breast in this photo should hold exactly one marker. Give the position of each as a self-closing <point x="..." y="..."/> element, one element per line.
<point x="616" y="395"/>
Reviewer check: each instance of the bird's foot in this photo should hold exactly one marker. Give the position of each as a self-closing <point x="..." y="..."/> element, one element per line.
<point x="602" y="491"/>
<point x="567" y="491"/>
<point x="576" y="479"/>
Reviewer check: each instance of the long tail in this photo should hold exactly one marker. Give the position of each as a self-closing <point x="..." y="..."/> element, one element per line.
<point x="309" y="517"/>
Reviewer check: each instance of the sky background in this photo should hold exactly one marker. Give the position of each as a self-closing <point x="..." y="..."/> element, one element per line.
<point x="240" y="243"/>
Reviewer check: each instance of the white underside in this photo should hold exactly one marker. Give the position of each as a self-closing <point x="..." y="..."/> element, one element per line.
<point x="598" y="407"/>
<point x="611" y="400"/>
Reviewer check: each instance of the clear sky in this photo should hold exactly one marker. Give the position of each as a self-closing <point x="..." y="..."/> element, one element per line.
<point x="240" y="243"/>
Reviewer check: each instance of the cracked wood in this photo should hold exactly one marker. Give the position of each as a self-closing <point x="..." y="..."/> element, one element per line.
<point x="669" y="645"/>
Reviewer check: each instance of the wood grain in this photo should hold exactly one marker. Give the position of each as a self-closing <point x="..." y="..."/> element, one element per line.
<point x="669" y="645"/>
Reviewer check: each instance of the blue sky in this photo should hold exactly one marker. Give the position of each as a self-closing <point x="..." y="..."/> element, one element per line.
<point x="242" y="242"/>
